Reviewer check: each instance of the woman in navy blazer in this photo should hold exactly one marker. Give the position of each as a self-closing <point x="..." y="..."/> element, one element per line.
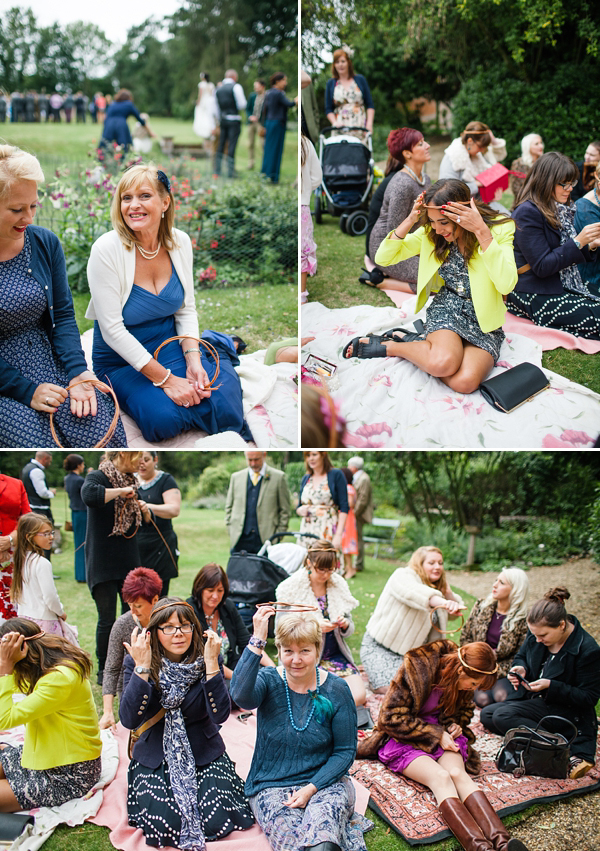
<point x="182" y="787"/>
<point x="323" y="499"/>
<point x="548" y="248"/>
<point x="40" y="348"/>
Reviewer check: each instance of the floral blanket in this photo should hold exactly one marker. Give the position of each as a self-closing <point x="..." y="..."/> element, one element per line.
<point x="389" y="403"/>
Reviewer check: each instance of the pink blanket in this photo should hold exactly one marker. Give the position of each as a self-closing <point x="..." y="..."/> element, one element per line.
<point x="239" y="739"/>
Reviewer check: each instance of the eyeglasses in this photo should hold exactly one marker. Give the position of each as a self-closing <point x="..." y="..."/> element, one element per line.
<point x="184" y="629"/>
<point x="567" y="186"/>
<point x="46" y="534"/>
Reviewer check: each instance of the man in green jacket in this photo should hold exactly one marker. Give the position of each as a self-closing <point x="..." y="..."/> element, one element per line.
<point x="258" y="504"/>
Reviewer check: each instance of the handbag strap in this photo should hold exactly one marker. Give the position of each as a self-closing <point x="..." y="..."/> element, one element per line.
<point x="150" y="722"/>
<point x="563" y="721"/>
<point x="522" y="269"/>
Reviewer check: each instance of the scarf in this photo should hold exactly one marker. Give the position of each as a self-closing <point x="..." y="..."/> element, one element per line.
<point x="175" y="679"/>
<point x="570" y="277"/>
<point x="127" y="511"/>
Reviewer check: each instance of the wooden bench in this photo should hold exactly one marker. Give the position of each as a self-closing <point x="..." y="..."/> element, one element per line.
<point x="386" y="540"/>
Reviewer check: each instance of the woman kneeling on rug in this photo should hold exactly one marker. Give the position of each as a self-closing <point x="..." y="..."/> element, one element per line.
<point x="182" y="787"/>
<point x="298" y="784"/>
<point x="423" y="734"/>
<point x="60" y="758"/>
<point x="466" y="256"/>
<point x="561" y="662"/>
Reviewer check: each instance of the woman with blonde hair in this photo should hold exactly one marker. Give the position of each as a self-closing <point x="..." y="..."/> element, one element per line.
<point x="41" y="359"/>
<point x="412" y="609"/>
<point x="141" y="280"/>
<point x="474" y="151"/>
<point x="532" y="147"/>
<point x="500" y="619"/>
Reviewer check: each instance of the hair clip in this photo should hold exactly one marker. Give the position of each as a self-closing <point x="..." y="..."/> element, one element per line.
<point x="164" y="179"/>
<point x="349" y="51"/>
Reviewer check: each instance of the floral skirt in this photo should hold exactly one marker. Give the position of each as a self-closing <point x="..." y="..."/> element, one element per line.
<point x="151" y="803"/>
<point x="7" y="610"/>
<point x="328" y="817"/>
<point x="308" y="245"/>
<point x="49" y="787"/>
<point x="58" y="627"/>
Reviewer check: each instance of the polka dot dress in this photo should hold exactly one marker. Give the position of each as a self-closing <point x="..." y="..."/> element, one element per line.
<point x="567" y="311"/>
<point x="24" y="345"/>
<point x="222" y="804"/>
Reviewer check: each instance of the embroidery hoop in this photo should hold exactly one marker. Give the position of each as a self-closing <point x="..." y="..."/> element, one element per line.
<point x="446" y="631"/>
<point x="208" y="346"/>
<point x="104" y="388"/>
<point x="285" y="608"/>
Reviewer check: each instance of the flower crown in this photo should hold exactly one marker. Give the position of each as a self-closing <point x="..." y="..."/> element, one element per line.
<point x="349" y="51"/>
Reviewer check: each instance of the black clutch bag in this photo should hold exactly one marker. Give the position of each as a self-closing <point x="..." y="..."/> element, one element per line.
<point x="12" y="825"/>
<point x="512" y="388"/>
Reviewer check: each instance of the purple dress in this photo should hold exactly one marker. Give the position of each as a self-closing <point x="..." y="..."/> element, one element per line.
<point x="398" y="755"/>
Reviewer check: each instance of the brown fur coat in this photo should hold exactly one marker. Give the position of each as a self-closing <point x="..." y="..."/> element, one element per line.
<point x="408" y="691"/>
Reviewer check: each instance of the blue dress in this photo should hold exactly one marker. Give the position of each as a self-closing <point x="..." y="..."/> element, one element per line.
<point x="24" y="344"/>
<point x="588" y="213"/>
<point x="115" y="124"/>
<point x="150" y="318"/>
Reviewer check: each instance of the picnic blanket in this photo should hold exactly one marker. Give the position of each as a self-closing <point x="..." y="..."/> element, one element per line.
<point x="270" y="408"/>
<point x="411" y="810"/>
<point x="239" y="739"/>
<point x="71" y="812"/>
<point x="389" y="403"/>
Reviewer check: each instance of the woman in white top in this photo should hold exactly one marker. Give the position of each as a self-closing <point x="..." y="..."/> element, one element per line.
<point x="141" y="278"/>
<point x="33" y="590"/>
<point x="204" y="112"/>
<point x="403" y="620"/>
<point x="474" y="151"/>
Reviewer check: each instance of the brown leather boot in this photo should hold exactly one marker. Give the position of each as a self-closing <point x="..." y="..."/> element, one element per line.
<point x="488" y="820"/>
<point x="463" y="825"/>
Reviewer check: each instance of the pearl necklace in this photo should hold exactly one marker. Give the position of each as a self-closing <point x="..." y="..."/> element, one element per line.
<point x="420" y="181"/>
<point x="148" y="255"/>
<point x="289" y="704"/>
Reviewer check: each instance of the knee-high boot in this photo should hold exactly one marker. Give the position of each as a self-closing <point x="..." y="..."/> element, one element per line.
<point x="463" y="826"/>
<point x="488" y="820"/>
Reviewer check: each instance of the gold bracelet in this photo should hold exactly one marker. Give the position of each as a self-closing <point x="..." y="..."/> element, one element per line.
<point x="187" y="351"/>
<point x="490" y="237"/>
<point x="212" y="673"/>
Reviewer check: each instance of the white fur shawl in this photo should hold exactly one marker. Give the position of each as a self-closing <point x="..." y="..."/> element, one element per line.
<point x="297" y="589"/>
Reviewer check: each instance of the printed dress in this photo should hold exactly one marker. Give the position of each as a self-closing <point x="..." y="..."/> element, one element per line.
<point x="349" y="107"/>
<point x="24" y="344"/>
<point x="323" y="514"/>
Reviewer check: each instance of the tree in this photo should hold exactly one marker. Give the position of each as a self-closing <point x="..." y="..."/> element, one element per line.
<point x="91" y="49"/>
<point x="17" y="35"/>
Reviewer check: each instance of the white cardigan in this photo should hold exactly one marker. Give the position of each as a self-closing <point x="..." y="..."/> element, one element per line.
<point x="401" y="620"/>
<point x="111" y="270"/>
<point x="458" y="164"/>
<point x="39" y="598"/>
<point x="312" y="174"/>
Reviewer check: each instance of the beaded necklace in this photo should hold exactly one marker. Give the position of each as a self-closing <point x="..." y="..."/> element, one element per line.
<point x="289" y="704"/>
<point x="420" y="180"/>
<point x="596" y="196"/>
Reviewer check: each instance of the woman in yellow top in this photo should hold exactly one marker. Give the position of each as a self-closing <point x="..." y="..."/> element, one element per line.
<point x="466" y="257"/>
<point x="60" y="759"/>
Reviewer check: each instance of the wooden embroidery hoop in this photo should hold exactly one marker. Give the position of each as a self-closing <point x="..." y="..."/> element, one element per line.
<point x="285" y="608"/>
<point x="105" y="388"/>
<point x="208" y="346"/>
<point x="446" y="631"/>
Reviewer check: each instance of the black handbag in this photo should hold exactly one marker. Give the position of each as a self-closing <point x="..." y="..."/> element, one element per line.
<point x="12" y="825"/>
<point x="536" y="751"/>
<point x="512" y="388"/>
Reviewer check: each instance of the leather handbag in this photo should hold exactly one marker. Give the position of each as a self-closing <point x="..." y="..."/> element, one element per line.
<point x="134" y="735"/>
<point x="535" y="751"/>
<point x="510" y="389"/>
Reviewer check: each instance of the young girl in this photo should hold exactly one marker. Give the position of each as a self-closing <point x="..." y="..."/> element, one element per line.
<point x="423" y="734"/>
<point x="33" y="588"/>
<point x="311" y="177"/>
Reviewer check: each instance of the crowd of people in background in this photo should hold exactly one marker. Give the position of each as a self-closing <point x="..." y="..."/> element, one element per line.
<point x="32" y="106"/>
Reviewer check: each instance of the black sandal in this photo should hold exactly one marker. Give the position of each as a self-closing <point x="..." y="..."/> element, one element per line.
<point x="408" y="336"/>
<point x="371" y="349"/>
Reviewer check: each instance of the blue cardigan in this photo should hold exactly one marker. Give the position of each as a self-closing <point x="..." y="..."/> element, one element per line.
<point x="338" y="487"/>
<point x="538" y="244"/>
<point x="205" y="707"/>
<point x="362" y="84"/>
<point x="48" y="267"/>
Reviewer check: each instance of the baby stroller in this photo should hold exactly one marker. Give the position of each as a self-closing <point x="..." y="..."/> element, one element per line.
<point x="254" y="578"/>
<point x="348" y="172"/>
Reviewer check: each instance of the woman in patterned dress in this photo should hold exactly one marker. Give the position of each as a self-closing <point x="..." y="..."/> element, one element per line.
<point x="466" y="255"/>
<point x="348" y="100"/>
<point x="323" y="503"/>
<point x="41" y="359"/>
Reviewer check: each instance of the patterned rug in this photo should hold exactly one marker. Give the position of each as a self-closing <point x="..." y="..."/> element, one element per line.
<point x="410" y="808"/>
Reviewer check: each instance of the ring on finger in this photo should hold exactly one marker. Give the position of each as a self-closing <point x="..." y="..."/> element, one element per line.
<point x="186" y="404"/>
<point x="48" y="401"/>
<point x="458" y="220"/>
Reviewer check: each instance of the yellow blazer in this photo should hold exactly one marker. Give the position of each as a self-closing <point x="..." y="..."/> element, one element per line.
<point x="60" y="718"/>
<point x="492" y="273"/>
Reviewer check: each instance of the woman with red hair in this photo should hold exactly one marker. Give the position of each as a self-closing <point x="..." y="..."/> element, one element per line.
<point x="411" y="151"/>
<point x="348" y="100"/>
<point x="423" y="734"/>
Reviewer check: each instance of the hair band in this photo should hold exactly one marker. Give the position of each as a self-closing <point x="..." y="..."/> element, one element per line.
<point x="477" y="670"/>
<point x="475" y="132"/>
<point x="31" y="637"/>
<point x="164" y="179"/>
<point x="169" y="605"/>
<point x="314" y="549"/>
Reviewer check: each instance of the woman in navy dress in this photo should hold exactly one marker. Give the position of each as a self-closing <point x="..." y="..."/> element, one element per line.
<point x="141" y="279"/>
<point x="115" y="124"/>
<point x="274" y="114"/>
<point x="40" y="348"/>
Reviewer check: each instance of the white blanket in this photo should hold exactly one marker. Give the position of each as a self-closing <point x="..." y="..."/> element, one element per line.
<point x="389" y="403"/>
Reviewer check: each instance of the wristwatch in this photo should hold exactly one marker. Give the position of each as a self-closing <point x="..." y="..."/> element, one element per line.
<point x="577" y="243"/>
<point x="141" y="670"/>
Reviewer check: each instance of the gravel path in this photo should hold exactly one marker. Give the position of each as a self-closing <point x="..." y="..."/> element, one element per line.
<point x="573" y="824"/>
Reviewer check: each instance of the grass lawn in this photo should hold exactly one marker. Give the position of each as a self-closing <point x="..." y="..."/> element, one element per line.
<point x="340" y="258"/>
<point x="203" y="538"/>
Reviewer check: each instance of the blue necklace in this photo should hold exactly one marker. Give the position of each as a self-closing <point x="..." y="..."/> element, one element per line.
<point x="596" y="196"/>
<point x="289" y="705"/>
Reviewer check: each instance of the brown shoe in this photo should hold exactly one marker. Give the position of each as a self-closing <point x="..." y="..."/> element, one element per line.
<point x="463" y="825"/>
<point x="579" y="767"/>
<point x="488" y="820"/>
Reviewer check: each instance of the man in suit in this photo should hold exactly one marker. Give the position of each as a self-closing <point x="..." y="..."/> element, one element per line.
<point x="258" y="504"/>
<point x="363" y="509"/>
